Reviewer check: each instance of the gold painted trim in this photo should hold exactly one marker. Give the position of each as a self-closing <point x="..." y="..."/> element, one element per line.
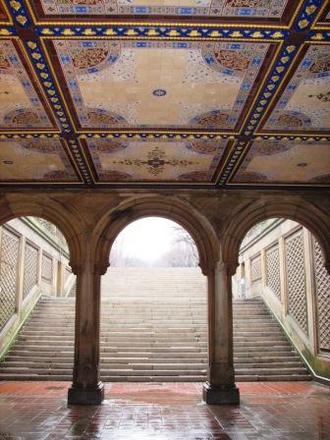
<point x="146" y="38"/>
<point x="288" y="134"/>
<point x="10" y="20"/>
<point x="311" y="185"/>
<point x="54" y="133"/>
<point x="48" y="182"/>
<point x="155" y="182"/>
<point x="317" y="18"/>
<point x="263" y="83"/>
<point x="84" y="135"/>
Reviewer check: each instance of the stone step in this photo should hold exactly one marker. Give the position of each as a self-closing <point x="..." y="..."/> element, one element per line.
<point x="151" y="334"/>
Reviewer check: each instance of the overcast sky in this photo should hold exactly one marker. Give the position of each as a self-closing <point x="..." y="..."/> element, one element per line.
<point x="147" y="238"/>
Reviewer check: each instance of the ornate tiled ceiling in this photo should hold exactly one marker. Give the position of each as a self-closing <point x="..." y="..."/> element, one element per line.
<point x="212" y="93"/>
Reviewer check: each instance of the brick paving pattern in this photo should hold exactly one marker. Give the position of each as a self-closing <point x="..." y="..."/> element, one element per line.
<point x="168" y="411"/>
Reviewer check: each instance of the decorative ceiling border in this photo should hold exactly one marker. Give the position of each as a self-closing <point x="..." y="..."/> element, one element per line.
<point x="45" y="75"/>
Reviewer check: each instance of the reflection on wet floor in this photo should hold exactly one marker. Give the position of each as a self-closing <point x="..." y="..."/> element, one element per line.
<point x="132" y="411"/>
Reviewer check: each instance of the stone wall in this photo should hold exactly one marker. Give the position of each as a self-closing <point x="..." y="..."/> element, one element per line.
<point x="283" y="262"/>
<point x="34" y="260"/>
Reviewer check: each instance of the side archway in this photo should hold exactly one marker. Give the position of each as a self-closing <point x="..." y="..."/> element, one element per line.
<point x="68" y="222"/>
<point x="244" y="219"/>
<point x="198" y="226"/>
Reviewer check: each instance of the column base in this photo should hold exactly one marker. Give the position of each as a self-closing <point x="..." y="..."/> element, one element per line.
<point x="220" y="395"/>
<point x="80" y="396"/>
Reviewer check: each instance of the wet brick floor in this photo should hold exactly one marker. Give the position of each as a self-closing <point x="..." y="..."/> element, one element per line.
<point x="131" y="411"/>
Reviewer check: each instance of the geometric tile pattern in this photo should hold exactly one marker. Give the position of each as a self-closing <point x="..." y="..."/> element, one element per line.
<point x="256" y="268"/>
<point x="252" y="76"/>
<point x="296" y="283"/>
<point x="30" y="268"/>
<point x="9" y="252"/>
<point x="273" y="280"/>
<point x="322" y="287"/>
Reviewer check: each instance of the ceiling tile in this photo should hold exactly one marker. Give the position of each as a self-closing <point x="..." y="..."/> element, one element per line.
<point x="154" y="84"/>
<point x="34" y="160"/>
<point x="281" y="162"/>
<point x="156" y="160"/>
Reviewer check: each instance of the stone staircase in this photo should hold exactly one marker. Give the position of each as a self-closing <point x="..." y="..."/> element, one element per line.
<point x="158" y="333"/>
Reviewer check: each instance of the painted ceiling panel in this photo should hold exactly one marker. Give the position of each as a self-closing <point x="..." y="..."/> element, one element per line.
<point x="270" y="162"/>
<point x="20" y="105"/>
<point x="304" y="104"/>
<point x="173" y="85"/>
<point x="34" y="160"/>
<point x="159" y="160"/>
<point x="217" y="8"/>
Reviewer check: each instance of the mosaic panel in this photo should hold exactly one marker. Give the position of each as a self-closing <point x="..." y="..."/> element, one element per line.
<point x="218" y="8"/>
<point x="30" y="268"/>
<point x="282" y="161"/>
<point x="34" y="160"/>
<point x="149" y="160"/>
<point x="9" y="253"/>
<point x="167" y="84"/>
<point x="20" y="105"/>
<point x="273" y="276"/>
<point x="256" y="268"/>
<point x="47" y="268"/>
<point x="304" y="104"/>
<point x="296" y="283"/>
<point x="322" y="287"/>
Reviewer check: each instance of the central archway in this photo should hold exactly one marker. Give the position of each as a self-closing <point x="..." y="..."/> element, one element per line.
<point x="200" y="229"/>
<point x="153" y="306"/>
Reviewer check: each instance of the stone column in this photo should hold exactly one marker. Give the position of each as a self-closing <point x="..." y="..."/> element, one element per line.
<point x="87" y="389"/>
<point x="220" y="387"/>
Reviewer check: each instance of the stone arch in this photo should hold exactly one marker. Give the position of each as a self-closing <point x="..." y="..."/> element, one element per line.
<point x="198" y="226"/>
<point x="301" y="211"/>
<point x="67" y="222"/>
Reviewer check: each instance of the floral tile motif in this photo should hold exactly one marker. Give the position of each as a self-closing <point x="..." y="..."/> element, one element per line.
<point x="218" y="8"/>
<point x="161" y="160"/>
<point x="34" y="160"/>
<point x="275" y="161"/>
<point x="304" y="104"/>
<point x="172" y="84"/>
<point x="20" y="105"/>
